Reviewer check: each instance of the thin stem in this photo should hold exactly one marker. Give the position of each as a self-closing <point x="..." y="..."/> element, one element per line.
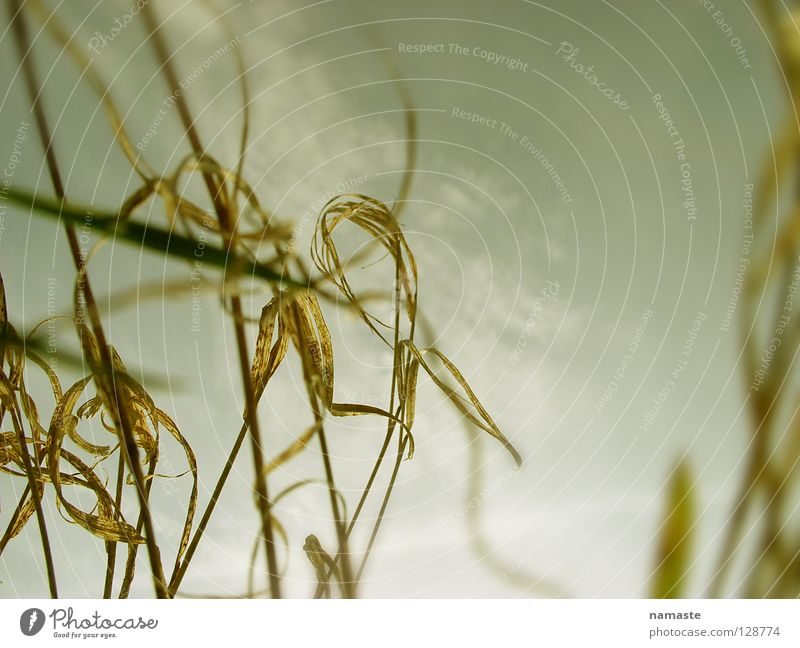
<point x="390" y="426"/>
<point x="132" y="459"/>
<point x="348" y="584"/>
<point x="33" y="482"/>
<point x="130" y="563"/>
<point x="343" y="554"/>
<point x="21" y="40"/>
<point x="118" y="413"/>
<point x="14" y="517"/>
<point x="111" y="547"/>
<point x="402" y="439"/>
<point x="228" y="228"/>
<point x="375" y="468"/>
<point x="177" y="577"/>
<point x="401" y="449"/>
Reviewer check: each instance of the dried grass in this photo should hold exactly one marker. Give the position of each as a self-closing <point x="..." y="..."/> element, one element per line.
<point x="291" y="321"/>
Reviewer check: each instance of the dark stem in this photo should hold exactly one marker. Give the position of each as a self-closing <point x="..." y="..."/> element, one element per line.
<point x="228" y="228"/>
<point x="14" y="517"/>
<point x="111" y="547"/>
<point x="118" y="413"/>
<point x="343" y="554"/>
<point x="401" y="449"/>
<point x="33" y="482"/>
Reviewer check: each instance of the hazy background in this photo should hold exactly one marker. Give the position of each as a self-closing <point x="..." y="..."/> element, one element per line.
<point x="489" y="228"/>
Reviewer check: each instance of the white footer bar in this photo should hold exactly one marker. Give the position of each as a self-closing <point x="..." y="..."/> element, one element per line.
<point x="402" y="623"/>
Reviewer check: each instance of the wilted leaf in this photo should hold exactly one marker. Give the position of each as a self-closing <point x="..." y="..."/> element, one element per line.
<point x="103" y="525"/>
<point x="377" y="220"/>
<point x="324" y="566"/>
<point x="466" y="402"/>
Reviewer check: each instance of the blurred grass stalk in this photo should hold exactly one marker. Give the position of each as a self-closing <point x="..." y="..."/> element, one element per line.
<point x="760" y="552"/>
<point x="769" y="485"/>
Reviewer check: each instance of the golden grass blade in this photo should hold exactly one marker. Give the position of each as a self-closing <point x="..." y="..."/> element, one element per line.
<point x="313" y="341"/>
<point x="323" y="566"/>
<point x="477" y="415"/>
<point x="228" y="221"/>
<point x="251" y="571"/>
<point x="191" y="508"/>
<point x="9" y="449"/>
<point x="31" y="414"/>
<point x="10" y="453"/>
<point x="34" y="474"/>
<point x="377" y="220"/>
<point x="102" y="525"/>
<point x="312" y="338"/>
<point x="130" y="563"/>
<point x="669" y="580"/>
<point x="3" y="321"/>
<point x="55" y="383"/>
<point x="21" y="519"/>
<point x="64" y="418"/>
<point x="411" y="149"/>
<point x="6" y="538"/>
<point x="294" y="449"/>
<point x="268" y="356"/>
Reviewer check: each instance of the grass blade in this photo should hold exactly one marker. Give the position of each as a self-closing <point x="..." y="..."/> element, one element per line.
<point x="674" y="549"/>
<point x="147" y="236"/>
